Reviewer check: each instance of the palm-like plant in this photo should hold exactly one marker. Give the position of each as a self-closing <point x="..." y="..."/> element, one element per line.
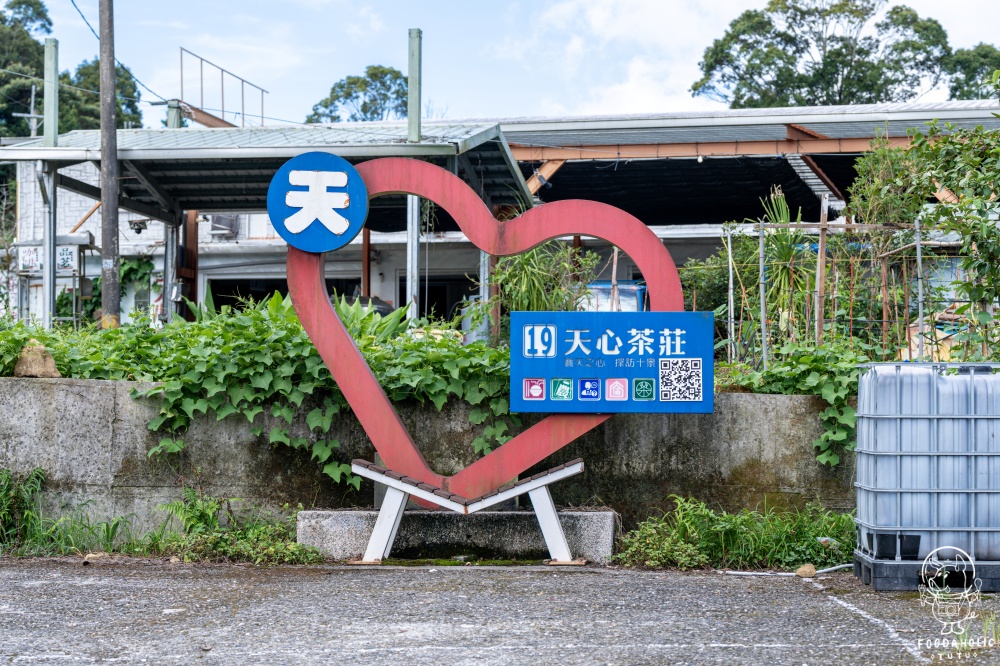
<point x="789" y="277"/>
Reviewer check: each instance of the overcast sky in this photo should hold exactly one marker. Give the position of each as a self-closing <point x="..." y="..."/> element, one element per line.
<point x="481" y="59"/>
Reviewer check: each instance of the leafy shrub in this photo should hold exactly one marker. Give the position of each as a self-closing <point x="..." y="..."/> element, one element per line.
<point x="692" y="535"/>
<point x="196" y="512"/>
<point x="258" y="359"/>
<point x="830" y="372"/>
<point x="553" y="276"/>
<point x="262" y="542"/>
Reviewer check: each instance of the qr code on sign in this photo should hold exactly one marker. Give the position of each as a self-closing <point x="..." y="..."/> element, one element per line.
<point x="680" y="379"/>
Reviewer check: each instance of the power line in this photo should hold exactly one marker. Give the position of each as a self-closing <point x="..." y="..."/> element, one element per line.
<point x="67" y="85"/>
<point x="119" y="62"/>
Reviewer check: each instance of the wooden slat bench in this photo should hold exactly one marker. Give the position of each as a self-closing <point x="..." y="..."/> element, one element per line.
<point x="399" y="488"/>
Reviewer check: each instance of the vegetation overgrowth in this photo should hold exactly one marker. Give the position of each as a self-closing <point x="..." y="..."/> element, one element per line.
<point x="693" y="536"/>
<point x="245" y="362"/>
<point x="211" y="531"/>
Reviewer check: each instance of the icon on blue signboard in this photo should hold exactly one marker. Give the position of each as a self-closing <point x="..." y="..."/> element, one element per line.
<point x="616" y="389"/>
<point x="562" y="389"/>
<point x="588" y="389"/>
<point x="643" y="388"/>
<point x="317" y="202"/>
<point x="534" y="389"/>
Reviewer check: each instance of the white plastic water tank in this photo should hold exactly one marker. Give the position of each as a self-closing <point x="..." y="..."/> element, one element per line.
<point x="928" y="460"/>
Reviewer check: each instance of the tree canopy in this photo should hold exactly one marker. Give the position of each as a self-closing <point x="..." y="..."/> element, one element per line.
<point x="22" y="54"/>
<point x="81" y="110"/>
<point x="28" y="14"/>
<point x="970" y="70"/>
<point x="378" y="95"/>
<point x="821" y="52"/>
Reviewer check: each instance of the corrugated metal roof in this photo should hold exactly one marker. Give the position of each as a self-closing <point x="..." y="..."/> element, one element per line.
<point x="726" y="125"/>
<point x="459" y="136"/>
<point x="230" y="169"/>
<point x="782" y="114"/>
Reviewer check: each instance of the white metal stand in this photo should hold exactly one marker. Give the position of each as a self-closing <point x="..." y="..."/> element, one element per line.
<point x="386" y="525"/>
<point x="398" y="492"/>
<point x="548" y="520"/>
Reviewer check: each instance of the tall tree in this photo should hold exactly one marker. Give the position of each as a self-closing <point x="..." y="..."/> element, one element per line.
<point x="819" y="52"/>
<point x="20" y="53"/>
<point x="31" y="15"/>
<point x="970" y="71"/>
<point x="81" y="110"/>
<point x="378" y="95"/>
<point x="23" y="56"/>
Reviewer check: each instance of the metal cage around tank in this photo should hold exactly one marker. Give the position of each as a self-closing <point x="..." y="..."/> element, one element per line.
<point x="928" y="468"/>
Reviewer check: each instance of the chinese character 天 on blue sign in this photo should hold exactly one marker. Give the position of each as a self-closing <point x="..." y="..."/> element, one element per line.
<point x="609" y="362"/>
<point x="317" y="202"/>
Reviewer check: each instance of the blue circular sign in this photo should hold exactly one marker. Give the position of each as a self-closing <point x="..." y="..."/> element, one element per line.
<point x="317" y="202"/>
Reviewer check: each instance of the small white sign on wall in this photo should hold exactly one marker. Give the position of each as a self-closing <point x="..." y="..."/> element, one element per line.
<point x="67" y="258"/>
<point x="29" y="259"/>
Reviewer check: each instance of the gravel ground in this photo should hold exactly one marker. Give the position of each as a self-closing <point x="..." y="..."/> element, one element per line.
<point x="55" y="611"/>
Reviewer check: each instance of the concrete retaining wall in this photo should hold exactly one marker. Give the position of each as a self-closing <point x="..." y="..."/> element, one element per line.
<point x="92" y="440"/>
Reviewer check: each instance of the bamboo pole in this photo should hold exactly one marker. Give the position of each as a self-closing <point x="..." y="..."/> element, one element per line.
<point x="763" y="300"/>
<point x="885" y="302"/>
<point x="920" y="295"/>
<point x="729" y="303"/>
<point x="86" y="217"/>
<point x="906" y="311"/>
<point x="821" y="267"/>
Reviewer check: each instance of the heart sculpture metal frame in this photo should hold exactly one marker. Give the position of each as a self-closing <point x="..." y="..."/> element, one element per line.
<point x="372" y="407"/>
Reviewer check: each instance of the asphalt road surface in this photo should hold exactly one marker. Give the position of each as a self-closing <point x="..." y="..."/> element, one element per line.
<point x="148" y="611"/>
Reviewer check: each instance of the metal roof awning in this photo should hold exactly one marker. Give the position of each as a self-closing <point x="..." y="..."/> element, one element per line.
<point x="736" y="132"/>
<point x="714" y="166"/>
<point x="166" y="171"/>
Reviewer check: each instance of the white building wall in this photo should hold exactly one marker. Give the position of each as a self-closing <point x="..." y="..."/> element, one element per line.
<point x="256" y="252"/>
<point x="71" y="208"/>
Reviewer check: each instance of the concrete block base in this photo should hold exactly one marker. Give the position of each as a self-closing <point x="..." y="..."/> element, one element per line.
<point x="436" y="534"/>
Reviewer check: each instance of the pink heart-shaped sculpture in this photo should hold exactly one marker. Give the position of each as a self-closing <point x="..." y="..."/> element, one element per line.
<point x="307" y="287"/>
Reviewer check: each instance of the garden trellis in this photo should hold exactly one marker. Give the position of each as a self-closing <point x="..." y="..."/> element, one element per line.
<point x="872" y="296"/>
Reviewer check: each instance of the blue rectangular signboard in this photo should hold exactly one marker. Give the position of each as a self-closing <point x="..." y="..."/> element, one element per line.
<point x="610" y="362"/>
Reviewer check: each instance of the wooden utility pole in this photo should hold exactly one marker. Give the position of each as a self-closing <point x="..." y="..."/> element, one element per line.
<point x="821" y="269"/>
<point x="110" y="275"/>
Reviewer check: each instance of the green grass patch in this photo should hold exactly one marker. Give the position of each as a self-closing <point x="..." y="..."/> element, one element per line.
<point x="211" y="530"/>
<point x="693" y="536"/>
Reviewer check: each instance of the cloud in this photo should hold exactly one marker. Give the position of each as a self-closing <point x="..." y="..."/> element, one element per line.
<point x="620" y="56"/>
<point x="158" y="23"/>
<point x="367" y="23"/>
<point x="649" y="86"/>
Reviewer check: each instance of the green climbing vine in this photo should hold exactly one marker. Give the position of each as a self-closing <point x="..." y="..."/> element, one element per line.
<point x="257" y="363"/>
<point x="132" y="270"/>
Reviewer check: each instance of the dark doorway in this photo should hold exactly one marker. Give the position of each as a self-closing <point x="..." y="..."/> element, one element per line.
<point x="444" y="294"/>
